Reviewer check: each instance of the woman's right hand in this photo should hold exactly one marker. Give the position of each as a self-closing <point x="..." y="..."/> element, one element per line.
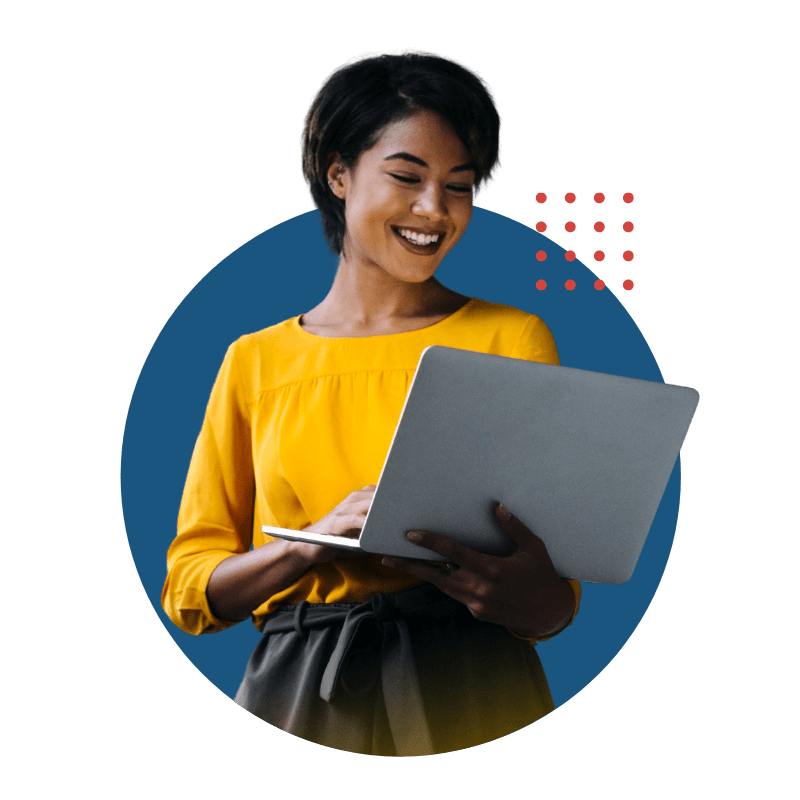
<point x="346" y="519"/>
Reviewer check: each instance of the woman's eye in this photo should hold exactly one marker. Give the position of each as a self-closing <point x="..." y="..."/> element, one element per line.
<point x="410" y="179"/>
<point x="404" y="178"/>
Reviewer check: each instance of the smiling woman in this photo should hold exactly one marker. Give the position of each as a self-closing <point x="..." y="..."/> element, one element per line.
<point x="382" y="656"/>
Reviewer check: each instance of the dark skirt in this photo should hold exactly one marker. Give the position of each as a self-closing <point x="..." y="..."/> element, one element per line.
<point x="405" y="674"/>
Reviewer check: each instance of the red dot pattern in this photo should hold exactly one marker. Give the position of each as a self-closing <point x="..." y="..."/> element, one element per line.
<point x="570" y="255"/>
<point x="570" y="285"/>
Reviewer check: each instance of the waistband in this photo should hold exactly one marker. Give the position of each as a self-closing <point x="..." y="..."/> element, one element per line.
<point x="389" y="614"/>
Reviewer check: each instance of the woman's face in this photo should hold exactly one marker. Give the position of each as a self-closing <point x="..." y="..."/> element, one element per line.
<point x="408" y="199"/>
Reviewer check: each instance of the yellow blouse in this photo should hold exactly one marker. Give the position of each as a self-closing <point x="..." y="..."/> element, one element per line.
<point x="295" y="423"/>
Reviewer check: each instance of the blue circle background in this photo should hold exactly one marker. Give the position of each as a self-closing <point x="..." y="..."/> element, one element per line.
<point x="285" y="272"/>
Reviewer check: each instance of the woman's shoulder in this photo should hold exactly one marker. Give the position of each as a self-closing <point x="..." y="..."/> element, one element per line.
<point x="483" y="316"/>
<point x="507" y="330"/>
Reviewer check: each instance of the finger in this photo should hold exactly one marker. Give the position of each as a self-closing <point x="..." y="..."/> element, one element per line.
<point x="426" y="570"/>
<point x="355" y="505"/>
<point x="353" y="523"/>
<point x="447" y="548"/>
<point x="341" y="524"/>
<point x="522" y="535"/>
<point x="361" y="496"/>
<point x="457" y="584"/>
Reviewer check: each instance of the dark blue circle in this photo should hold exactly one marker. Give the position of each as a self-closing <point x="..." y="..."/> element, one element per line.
<point x="286" y="271"/>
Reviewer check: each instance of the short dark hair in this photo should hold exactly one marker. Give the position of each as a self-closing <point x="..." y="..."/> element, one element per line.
<point x="359" y="100"/>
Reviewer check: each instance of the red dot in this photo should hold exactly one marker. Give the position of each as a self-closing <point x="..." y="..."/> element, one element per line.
<point x="628" y="255"/>
<point x="627" y="197"/>
<point x="541" y="197"/>
<point x="627" y="226"/>
<point x="541" y="227"/>
<point x="599" y="227"/>
<point x="541" y="255"/>
<point x="599" y="197"/>
<point x="540" y="284"/>
<point x="570" y="255"/>
<point x="569" y="227"/>
<point x="570" y="284"/>
<point x="627" y="285"/>
<point x="599" y="255"/>
<point x="569" y="197"/>
<point x="598" y="284"/>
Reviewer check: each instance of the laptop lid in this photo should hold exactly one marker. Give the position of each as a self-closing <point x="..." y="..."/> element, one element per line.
<point x="582" y="458"/>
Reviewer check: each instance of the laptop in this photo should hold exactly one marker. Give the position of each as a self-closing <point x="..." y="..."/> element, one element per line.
<point x="582" y="458"/>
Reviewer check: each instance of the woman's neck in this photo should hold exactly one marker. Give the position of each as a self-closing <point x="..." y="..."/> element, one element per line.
<point x="370" y="303"/>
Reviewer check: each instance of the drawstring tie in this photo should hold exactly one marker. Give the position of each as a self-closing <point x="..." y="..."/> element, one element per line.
<point x="375" y="641"/>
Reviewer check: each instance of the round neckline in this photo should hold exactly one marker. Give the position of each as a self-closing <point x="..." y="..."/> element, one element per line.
<point x="296" y="324"/>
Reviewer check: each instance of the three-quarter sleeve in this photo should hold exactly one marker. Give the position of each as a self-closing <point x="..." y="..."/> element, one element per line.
<point x="216" y="512"/>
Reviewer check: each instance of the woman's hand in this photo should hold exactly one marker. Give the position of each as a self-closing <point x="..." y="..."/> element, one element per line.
<point x="521" y="591"/>
<point x="347" y="519"/>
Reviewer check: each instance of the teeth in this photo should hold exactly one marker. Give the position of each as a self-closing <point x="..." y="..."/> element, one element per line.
<point x="419" y="238"/>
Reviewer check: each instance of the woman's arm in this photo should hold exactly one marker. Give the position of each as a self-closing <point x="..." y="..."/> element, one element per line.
<point x="241" y="583"/>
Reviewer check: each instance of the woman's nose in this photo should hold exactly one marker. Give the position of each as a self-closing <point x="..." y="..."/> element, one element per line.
<point x="430" y="203"/>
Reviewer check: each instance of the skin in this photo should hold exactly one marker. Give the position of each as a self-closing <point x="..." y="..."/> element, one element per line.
<point x="241" y="583"/>
<point x="416" y="177"/>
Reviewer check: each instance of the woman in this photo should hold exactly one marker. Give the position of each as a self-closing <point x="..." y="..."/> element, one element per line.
<point x="386" y="656"/>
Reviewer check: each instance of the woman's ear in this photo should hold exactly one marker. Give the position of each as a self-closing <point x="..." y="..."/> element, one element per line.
<point x="336" y="178"/>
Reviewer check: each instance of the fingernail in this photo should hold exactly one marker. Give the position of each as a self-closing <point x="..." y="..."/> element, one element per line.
<point x="414" y="536"/>
<point x="503" y="512"/>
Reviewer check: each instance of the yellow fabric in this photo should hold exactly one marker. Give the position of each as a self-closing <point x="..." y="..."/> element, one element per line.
<point x="295" y="423"/>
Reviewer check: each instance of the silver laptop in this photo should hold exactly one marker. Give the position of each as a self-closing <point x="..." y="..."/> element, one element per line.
<point x="582" y="458"/>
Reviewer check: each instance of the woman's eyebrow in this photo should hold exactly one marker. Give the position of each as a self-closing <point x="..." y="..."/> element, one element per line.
<point x="415" y="160"/>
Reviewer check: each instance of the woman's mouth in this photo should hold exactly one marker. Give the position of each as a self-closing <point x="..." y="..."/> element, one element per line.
<point x="419" y="242"/>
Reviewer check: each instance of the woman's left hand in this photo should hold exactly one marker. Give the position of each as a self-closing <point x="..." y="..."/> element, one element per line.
<point x="521" y="591"/>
